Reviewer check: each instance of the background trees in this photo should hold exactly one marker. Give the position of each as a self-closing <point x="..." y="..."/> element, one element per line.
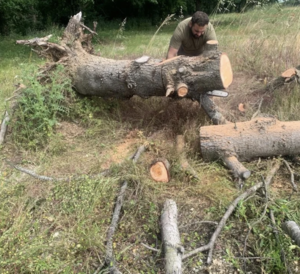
<point x="22" y="16"/>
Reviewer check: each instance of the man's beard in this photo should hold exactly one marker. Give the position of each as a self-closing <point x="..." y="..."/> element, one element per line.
<point x="194" y="35"/>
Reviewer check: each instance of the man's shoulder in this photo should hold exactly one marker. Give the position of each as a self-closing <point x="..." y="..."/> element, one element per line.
<point x="184" y="22"/>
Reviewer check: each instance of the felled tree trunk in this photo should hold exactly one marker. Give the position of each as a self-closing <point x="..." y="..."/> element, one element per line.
<point x="93" y="75"/>
<point x="260" y="137"/>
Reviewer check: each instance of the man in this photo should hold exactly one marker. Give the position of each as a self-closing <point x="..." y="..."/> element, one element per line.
<point x="191" y="35"/>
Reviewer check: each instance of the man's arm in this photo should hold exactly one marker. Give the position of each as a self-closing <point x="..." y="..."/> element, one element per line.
<point x="172" y="52"/>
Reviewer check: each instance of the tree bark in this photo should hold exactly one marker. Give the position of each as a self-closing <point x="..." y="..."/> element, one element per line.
<point x="260" y="137"/>
<point x="93" y="75"/>
<point x="293" y="230"/>
<point x="171" y="239"/>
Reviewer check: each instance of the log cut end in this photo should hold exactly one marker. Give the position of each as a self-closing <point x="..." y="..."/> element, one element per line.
<point x="159" y="170"/>
<point x="225" y="71"/>
<point x="289" y="73"/>
<point x="182" y="90"/>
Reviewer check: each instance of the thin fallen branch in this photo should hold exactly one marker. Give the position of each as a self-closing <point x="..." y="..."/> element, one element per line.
<point x="151" y="248"/>
<point x="250" y="191"/>
<point x="292" y="175"/>
<point x="134" y="158"/>
<point x="109" y="257"/>
<point x="258" y="110"/>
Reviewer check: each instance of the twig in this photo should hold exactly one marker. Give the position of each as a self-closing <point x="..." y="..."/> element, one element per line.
<point x="109" y="257"/>
<point x="258" y="110"/>
<point x="151" y="248"/>
<point x="200" y="222"/>
<point x="91" y="31"/>
<point x="250" y="191"/>
<point x="292" y="175"/>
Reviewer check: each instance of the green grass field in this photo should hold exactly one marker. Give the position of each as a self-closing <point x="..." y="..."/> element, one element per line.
<point x="61" y="226"/>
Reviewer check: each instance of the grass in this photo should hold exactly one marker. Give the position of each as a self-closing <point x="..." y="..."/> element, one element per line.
<point x="60" y="227"/>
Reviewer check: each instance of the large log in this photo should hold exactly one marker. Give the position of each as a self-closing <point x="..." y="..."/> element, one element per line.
<point x="94" y="75"/>
<point x="260" y="137"/>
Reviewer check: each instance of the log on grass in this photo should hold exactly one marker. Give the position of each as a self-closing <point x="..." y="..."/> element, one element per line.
<point x="159" y="170"/>
<point x="94" y="75"/>
<point x="260" y="137"/>
<point x="171" y="239"/>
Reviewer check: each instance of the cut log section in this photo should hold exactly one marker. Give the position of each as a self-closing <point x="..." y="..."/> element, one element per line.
<point x="260" y="137"/>
<point x="289" y="73"/>
<point x="159" y="170"/>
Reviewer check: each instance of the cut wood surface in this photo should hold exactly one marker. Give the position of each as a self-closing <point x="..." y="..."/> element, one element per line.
<point x="145" y="76"/>
<point x="171" y="239"/>
<point x="260" y="137"/>
<point x="159" y="170"/>
<point x="289" y="72"/>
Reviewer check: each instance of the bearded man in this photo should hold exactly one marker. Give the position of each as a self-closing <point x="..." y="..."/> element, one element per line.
<point x="191" y="35"/>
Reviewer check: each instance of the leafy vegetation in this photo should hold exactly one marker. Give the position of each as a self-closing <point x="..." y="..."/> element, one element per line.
<point x="60" y="226"/>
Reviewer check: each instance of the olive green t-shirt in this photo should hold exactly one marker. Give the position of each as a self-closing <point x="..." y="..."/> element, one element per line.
<point x="184" y="41"/>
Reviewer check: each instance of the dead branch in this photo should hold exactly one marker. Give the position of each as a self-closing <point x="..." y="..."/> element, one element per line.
<point x="258" y="110"/>
<point x="250" y="191"/>
<point x="109" y="257"/>
<point x="292" y="175"/>
<point x="134" y="158"/>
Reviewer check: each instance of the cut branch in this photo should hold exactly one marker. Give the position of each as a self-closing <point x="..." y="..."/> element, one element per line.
<point x="171" y="239"/>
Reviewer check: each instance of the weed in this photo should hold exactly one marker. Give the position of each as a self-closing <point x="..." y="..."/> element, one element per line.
<point x="40" y="107"/>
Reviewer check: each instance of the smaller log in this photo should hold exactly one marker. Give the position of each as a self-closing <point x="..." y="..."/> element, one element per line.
<point x="173" y="249"/>
<point x="159" y="170"/>
<point x="182" y="90"/>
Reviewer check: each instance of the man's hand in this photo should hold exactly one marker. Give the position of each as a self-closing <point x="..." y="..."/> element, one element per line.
<point x="172" y="52"/>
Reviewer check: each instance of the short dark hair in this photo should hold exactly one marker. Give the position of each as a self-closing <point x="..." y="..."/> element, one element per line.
<point x="200" y="18"/>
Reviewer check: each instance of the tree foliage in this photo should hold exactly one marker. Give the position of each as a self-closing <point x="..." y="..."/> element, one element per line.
<point x="22" y="16"/>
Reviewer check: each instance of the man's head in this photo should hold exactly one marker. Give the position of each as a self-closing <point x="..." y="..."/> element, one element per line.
<point x="198" y="23"/>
